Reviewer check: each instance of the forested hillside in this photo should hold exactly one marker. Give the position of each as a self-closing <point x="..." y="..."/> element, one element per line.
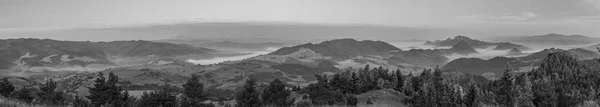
<point x="560" y="81"/>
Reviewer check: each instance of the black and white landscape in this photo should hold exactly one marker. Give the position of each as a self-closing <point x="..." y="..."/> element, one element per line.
<point x="280" y="53"/>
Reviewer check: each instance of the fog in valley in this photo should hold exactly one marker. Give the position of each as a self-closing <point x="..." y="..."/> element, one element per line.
<point x="299" y="53"/>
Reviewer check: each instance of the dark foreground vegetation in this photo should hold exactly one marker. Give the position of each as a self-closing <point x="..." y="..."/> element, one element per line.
<point x="560" y="81"/>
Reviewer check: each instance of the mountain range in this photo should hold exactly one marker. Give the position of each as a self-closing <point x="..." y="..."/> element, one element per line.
<point x="492" y="68"/>
<point x="52" y="55"/>
<point x="150" y="62"/>
<point x="551" y="39"/>
<point x="475" y="43"/>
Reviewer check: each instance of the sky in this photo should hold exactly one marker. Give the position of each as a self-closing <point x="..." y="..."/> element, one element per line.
<point x="524" y="17"/>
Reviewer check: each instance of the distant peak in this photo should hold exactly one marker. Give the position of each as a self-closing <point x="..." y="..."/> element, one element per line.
<point x="460" y="37"/>
<point x="462" y="45"/>
<point x="515" y="50"/>
<point x="462" y="42"/>
<point x="340" y="40"/>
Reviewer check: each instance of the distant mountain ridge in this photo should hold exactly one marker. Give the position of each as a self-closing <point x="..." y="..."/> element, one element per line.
<point x="343" y="48"/>
<point x="475" y="43"/>
<point x="552" y="39"/>
<point x="463" y="48"/>
<point x="457" y="39"/>
<point x="232" y="45"/>
<point x="495" y="66"/>
<point x="39" y="54"/>
<point x="352" y="53"/>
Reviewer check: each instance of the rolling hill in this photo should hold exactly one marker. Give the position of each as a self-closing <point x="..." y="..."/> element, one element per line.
<point x="53" y="55"/>
<point x="475" y="43"/>
<point x="491" y="68"/>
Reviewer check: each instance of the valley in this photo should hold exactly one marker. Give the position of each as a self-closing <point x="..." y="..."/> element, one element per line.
<point x="142" y="63"/>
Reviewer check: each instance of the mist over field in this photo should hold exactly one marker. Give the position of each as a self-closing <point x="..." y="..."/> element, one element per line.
<point x="229" y="58"/>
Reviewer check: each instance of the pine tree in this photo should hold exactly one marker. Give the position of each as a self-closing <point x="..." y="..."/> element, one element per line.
<point x="47" y="94"/>
<point x="505" y="93"/>
<point x="354" y="81"/>
<point x="106" y="92"/>
<point x="408" y="87"/>
<point x="524" y="94"/>
<point x="6" y="87"/>
<point x="399" y="80"/>
<point x="193" y="88"/>
<point x="127" y="100"/>
<point x="194" y="94"/>
<point x="544" y="94"/>
<point x="276" y="94"/>
<point x="248" y="96"/>
<point x="98" y="96"/>
<point x="164" y="97"/>
<point x="473" y="95"/>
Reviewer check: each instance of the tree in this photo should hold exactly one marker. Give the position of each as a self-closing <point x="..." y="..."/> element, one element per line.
<point x="79" y="102"/>
<point x="98" y="96"/>
<point x="194" y="94"/>
<point x="276" y="94"/>
<point x="6" y="87"/>
<point x="164" y="97"/>
<point x="351" y="100"/>
<point x="398" y="80"/>
<point x="248" y="96"/>
<point x="127" y="100"/>
<point x="505" y="92"/>
<point x="193" y="88"/>
<point x="47" y="94"/>
<point x="473" y="95"/>
<point x="342" y="83"/>
<point x="107" y="92"/>
<point x="22" y="94"/>
<point x="524" y="94"/>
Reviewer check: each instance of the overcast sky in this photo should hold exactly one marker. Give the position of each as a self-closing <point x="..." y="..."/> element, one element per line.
<point x="527" y="16"/>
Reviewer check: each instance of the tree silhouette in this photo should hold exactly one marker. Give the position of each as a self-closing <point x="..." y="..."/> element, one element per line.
<point x="276" y="94"/>
<point x="248" y="96"/>
<point x="47" y="94"/>
<point x="6" y="87"/>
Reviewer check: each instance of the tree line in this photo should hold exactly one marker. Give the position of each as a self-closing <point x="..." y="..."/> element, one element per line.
<point x="560" y="81"/>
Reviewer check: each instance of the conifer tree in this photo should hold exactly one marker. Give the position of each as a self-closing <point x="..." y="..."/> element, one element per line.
<point x="194" y="94"/>
<point x="399" y="80"/>
<point x="276" y="95"/>
<point x="6" y="87"/>
<point x="505" y="92"/>
<point x="524" y="94"/>
<point x="248" y="96"/>
<point x="193" y="88"/>
<point x="47" y="94"/>
<point x="164" y="97"/>
<point x="473" y="95"/>
<point x="106" y="91"/>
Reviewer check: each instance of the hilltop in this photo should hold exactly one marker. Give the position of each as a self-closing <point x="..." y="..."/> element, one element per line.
<point x="475" y="43"/>
<point x="463" y="48"/>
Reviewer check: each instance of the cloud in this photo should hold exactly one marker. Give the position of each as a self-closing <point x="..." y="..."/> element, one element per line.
<point x="594" y="3"/>
<point x="589" y="20"/>
<point x="506" y="18"/>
